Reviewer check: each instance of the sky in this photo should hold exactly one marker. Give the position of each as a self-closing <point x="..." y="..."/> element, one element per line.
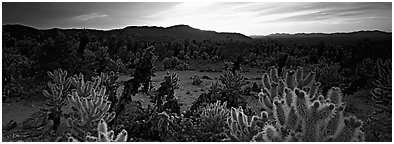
<point x="256" y="18"/>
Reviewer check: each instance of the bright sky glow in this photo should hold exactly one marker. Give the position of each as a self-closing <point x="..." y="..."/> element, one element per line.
<point x="245" y="18"/>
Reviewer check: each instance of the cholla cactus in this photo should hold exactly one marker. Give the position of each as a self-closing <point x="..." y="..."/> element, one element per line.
<point x="233" y="84"/>
<point x="243" y="128"/>
<point x="56" y="99"/>
<point x="274" y="86"/>
<point x="302" y="116"/>
<point x="233" y="81"/>
<point x="84" y="87"/>
<point x="104" y="135"/>
<point x="58" y="88"/>
<point x="214" y="116"/>
<point x="90" y="109"/>
<point x="165" y="98"/>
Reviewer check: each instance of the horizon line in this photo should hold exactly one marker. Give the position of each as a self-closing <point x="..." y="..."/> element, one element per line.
<point x="254" y="35"/>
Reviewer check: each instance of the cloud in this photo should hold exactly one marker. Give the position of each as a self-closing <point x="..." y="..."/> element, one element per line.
<point x="243" y="17"/>
<point x="331" y="11"/>
<point x="86" y="17"/>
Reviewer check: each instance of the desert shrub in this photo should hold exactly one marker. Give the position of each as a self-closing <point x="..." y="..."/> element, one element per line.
<point x="134" y="120"/>
<point x="175" y="63"/>
<point x="97" y="61"/>
<point x="231" y="89"/>
<point x="196" y="80"/>
<point x="382" y="91"/>
<point x="362" y="77"/>
<point x="16" y="69"/>
<point x="328" y="74"/>
<point x="379" y="123"/>
<point x="293" y="62"/>
<point x="213" y="59"/>
<point x="228" y="66"/>
<point x="147" y="124"/>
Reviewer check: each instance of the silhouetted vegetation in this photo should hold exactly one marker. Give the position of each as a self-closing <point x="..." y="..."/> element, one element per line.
<point x="95" y="60"/>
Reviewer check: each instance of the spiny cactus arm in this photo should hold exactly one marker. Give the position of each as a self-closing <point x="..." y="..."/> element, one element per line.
<point x="279" y="112"/>
<point x="59" y="77"/>
<point x="281" y="87"/>
<point x="274" y="89"/>
<point x="322" y="110"/>
<point x="266" y="81"/>
<point x="290" y="80"/>
<point x="72" y="139"/>
<point x="349" y="131"/>
<point x="288" y="96"/>
<point x="233" y="129"/>
<point x="299" y="74"/>
<point x="265" y="101"/>
<point x="301" y="81"/>
<point x="312" y="123"/>
<point x="90" y="138"/>
<point x="254" y="121"/>
<point x="308" y="80"/>
<point x="231" y="135"/>
<point x="88" y="110"/>
<point x="335" y="96"/>
<point x="274" y="74"/>
<point x="240" y="118"/>
<point x="100" y="108"/>
<point x="301" y="103"/>
<point x="263" y="116"/>
<point x="292" y="120"/>
<point x="331" y="126"/>
<point x="103" y="135"/>
<point x="55" y="99"/>
<point x="271" y="134"/>
<point x="122" y="136"/>
<point x="83" y="89"/>
<point x="241" y="128"/>
<point x="216" y="111"/>
<point x="96" y="82"/>
<point x="74" y="99"/>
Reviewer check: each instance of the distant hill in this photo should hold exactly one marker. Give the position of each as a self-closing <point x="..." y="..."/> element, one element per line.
<point x="331" y="38"/>
<point x="153" y="33"/>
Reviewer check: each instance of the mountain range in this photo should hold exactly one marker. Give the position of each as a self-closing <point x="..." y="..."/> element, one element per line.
<point x="151" y="33"/>
<point x="179" y="32"/>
